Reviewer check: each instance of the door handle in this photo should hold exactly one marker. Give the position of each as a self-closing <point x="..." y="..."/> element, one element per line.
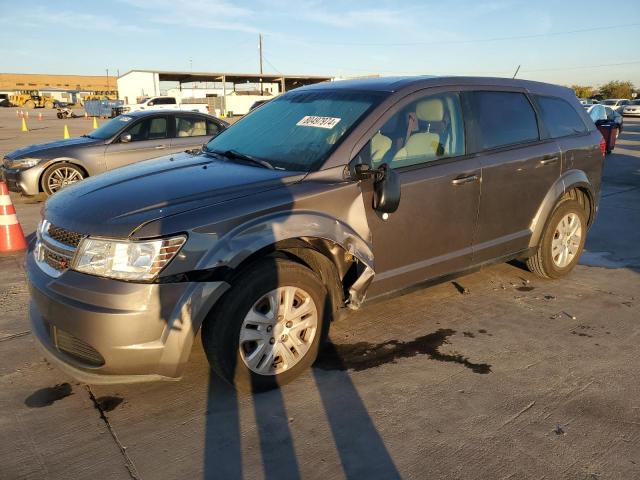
<point x="463" y="180"/>
<point x="160" y="147"/>
<point x="549" y="160"/>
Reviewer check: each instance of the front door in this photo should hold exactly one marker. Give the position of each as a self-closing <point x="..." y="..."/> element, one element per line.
<point x="149" y="139"/>
<point x="431" y="233"/>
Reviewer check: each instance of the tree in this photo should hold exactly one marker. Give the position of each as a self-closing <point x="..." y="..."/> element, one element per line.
<point x="617" y="89"/>
<point x="583" y="91"/>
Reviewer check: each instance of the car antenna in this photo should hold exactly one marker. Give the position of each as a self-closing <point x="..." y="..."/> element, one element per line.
<point x="517" y="70"/>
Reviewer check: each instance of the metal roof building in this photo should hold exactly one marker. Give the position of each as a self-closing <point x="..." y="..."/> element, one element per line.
<point x="148" y="83"/>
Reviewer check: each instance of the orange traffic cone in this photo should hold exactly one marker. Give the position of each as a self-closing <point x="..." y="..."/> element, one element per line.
<point x="26" y="113"/>
<point x="18" y="113"/>
<point x="40" y="117"/>
<point x="11" y="234"/>
<point x="86" y="117"/>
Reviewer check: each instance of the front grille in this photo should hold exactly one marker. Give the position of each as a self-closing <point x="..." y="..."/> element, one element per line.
<point x="61" y="235"/>
<point x="76" y="348"/>
<point x="55" y="248"/>
<point x="55" y="260"/>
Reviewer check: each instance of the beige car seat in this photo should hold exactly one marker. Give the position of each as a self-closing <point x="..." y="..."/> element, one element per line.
<point x="380" y="145"/>
<point x="199" y="128"/>
<point x="425" y="145"/>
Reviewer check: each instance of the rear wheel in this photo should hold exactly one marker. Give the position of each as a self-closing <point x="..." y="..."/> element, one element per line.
<point x="562" y="241"/>
<point x="60" y="175"/>
<point x="269" y="326"/>
<point x="48" y="104"/>
<point x="29" y="104"/>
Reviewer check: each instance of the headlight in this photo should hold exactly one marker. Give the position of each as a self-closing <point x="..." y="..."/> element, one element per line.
<point x="126" y="260"/>
<point x="21" y="162"/>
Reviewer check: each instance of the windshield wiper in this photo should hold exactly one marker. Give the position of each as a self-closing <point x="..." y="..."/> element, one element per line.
<point x="232" y="154"/>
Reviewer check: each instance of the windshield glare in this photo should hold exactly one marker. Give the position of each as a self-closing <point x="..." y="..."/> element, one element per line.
<point x="110" y="128"/>
<point x="299" y="130"/>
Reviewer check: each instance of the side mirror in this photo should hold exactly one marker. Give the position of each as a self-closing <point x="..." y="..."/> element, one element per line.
<point x="386" y="190"/>
<point x="125" y="138"/>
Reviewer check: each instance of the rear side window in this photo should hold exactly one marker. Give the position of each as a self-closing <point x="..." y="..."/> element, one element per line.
<point x="188" y="126"/>
<point x="560" y="117"/>
<point x="501" y="119"/>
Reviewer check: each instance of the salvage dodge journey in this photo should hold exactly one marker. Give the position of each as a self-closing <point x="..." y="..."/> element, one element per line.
<point x="322" y="197"/>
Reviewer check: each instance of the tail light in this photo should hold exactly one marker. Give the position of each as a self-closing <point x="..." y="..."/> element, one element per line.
<point x="603" y="146"/>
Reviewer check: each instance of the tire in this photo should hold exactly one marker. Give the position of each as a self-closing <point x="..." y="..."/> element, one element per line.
<point x="544" y="263"/>
<point x="29" y="104"/>
<point x="56" y="173"/>
<point x="222" y="330"/>
<point x="59" y="115"/>
<point x="48" y="105"/>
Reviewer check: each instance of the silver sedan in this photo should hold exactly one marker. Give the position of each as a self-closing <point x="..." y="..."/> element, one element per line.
<point x="126" y="139"/>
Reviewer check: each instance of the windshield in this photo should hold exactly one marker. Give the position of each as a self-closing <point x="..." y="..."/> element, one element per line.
<point x="597" y="112"/>
<point x="110" y="128"/>
<point x="609" y="102"/>
<point x="299" y="130"/>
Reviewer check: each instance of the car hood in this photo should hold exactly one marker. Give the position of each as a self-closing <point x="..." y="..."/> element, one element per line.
<point x="41" y="149"/>
<point x="116" y="203"/>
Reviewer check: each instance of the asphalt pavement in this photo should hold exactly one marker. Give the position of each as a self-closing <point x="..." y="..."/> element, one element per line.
<point x="496" y="375"/>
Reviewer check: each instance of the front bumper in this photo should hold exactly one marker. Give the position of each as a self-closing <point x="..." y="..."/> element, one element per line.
<point x="113" y="331"/>
<point x="26" y="181"/>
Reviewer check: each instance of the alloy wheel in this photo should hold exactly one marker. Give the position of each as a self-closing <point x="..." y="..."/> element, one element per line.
<point x="61" y="177"/>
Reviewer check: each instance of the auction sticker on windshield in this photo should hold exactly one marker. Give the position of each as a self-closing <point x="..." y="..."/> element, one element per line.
<point x="318" y="122"/>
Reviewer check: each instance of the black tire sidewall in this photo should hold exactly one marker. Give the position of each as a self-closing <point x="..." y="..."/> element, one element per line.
<point x="221" y="331"/>
<point x="49" y="171"/>
<point x="564" y="208"/>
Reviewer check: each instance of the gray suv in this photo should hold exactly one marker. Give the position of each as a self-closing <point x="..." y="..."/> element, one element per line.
<point x="324" y="196"/>
<point x="126" y="139"/>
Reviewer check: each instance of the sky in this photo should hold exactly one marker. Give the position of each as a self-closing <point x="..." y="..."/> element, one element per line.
<point x="585" y="42"/>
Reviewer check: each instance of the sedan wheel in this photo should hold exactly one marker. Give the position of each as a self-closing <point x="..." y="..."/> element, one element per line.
<point x="60" y="175"/>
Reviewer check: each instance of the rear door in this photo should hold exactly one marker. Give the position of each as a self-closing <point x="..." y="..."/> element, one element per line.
<point x="149" y="139"/>
<point x="193" y="131"/>
<point x="565" y="125"/>
<point x="423" y="139"/>
<point x="519" y="166"/>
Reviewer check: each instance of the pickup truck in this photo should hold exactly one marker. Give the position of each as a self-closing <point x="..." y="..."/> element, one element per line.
<point x="165" y="103"/>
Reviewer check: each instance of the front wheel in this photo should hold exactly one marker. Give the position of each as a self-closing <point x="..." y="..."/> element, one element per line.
<point x="562" y="241"/>
<point x="60" y="175"/>
<point x="269" y="326"/>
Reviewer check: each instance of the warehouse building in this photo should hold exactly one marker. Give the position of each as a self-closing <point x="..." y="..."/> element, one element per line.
<point x="65" y="88"/>
<point x="229" y="93"/>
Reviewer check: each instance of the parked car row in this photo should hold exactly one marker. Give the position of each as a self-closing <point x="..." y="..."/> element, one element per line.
<point x="324" y="197"/>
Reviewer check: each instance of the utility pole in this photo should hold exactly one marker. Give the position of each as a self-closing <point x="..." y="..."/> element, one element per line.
<point x="260" y="51"/>
<point x="107" y="79"/>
